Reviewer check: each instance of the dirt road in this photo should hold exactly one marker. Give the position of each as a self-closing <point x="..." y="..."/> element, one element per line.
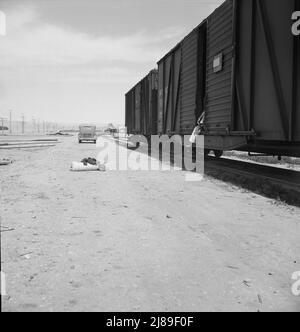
<point x="139" y="241"/>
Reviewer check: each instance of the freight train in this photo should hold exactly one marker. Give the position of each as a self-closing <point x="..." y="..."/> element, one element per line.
<point x="236" y="76"/>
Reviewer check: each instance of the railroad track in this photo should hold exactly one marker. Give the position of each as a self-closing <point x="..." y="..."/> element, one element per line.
<point x="269" y="181"/>
<point x="280" y="176"/>
<point x="11" y="144"/>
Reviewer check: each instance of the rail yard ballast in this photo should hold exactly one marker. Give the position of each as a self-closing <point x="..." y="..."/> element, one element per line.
<point x="238" y="73"/>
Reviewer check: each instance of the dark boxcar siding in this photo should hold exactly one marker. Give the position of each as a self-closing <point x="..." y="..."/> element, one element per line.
<point x="189" y="77"/>
<point x="201" y="85"/>
<point x="161" y="93"/>
<point x="153" y="86"/>
<point x="127" y="109"/>
<point x="244" y="72"/>
<point x="160" y="108"/>
<point x="169" y="92"/>
<point x="176" y="91"/>
<point x="137" y="127"/>
<point x="296" y="118"/>
<point x="219" y="85"/>
<point x="144" y="105"/>
<point x="268" y="105"/>
<point x="133" y="109"/>
<point x="130" y="111"/>
<point x="141" y="106"/>
<point x="149" y="103"/>
<point x="182" y="84"/>
<point x="165" y="90"/>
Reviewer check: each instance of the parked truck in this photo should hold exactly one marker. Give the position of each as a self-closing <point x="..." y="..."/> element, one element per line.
<point x="87" y="134"/>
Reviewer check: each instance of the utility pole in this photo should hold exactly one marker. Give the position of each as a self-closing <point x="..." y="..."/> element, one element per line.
<point x="33" y="125"/>
<point x="23" y="124"/>
<point x="10" y="121"/>
<point x="2" y="125"/>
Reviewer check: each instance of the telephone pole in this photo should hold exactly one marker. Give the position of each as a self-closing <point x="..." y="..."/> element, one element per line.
<point x="33" y="125"/>
<point x="23" y="124"/>
<point x="10" y="121"/>
<point x="2" y="124"/>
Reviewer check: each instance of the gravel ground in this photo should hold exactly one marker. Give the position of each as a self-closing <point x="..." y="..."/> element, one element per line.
<point x="139" y="241"/>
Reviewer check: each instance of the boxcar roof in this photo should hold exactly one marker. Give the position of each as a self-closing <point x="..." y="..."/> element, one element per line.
<point x="196" y="28"/>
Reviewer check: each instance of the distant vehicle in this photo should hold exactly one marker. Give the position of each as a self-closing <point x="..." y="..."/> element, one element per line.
<point x="59" y="133"/>
<point x="111" y="129"/>
<point x="87" y="133"/>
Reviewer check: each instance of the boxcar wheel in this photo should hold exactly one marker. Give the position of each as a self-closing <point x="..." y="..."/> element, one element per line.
<point x="131" y="147"/>
<point x="206" y="152"/>
<point x="218" y="153"/>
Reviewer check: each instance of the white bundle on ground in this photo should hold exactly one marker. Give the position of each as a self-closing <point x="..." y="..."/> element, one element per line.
<point x="80" y="167"/>
<point x="4" y="162"/>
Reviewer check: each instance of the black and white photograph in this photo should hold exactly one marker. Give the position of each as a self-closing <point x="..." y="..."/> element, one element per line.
<point x="150" y="158"/>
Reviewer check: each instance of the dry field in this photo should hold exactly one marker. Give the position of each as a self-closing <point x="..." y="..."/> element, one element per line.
<point x="139" y="241"/>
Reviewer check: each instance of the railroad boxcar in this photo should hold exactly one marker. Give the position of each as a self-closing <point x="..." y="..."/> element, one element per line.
<point x="141" y="106"/>
<point x="181" y="87"/>
<point x="239" y="70"/>
<point x="252" y="99"/>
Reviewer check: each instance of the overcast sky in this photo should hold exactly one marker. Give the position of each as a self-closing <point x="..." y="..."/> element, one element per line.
<point x="73" y="60"/>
